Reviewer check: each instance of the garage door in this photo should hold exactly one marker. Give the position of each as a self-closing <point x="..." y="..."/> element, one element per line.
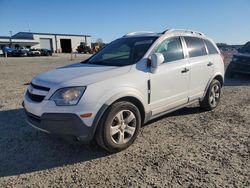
<point x="66" y="45"/>
<point x="46" y="43"/>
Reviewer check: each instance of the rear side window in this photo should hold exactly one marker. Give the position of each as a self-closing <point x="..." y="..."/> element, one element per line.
<point x="171" y="49"/>
<point x="196" y="46"/>
<point x="210" y="47"/>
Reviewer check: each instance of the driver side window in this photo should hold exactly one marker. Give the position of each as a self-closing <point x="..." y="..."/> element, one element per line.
<point x="171" y="49"/>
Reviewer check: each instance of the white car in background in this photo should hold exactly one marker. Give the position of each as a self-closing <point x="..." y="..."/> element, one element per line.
<point x="34" y="52"/>
<point x="134" y="79"/>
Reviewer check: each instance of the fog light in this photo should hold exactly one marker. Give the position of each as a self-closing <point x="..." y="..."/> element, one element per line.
<point x="233" y="65"/>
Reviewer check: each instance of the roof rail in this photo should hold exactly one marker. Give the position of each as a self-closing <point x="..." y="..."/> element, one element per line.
<point x="138" y="33"/>
<point x="183" y="31"/>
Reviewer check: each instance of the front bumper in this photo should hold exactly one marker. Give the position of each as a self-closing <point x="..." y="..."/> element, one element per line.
<point x="60" y="124"/>
<point x="238" y="67"/>
<point x="46" y="116"/>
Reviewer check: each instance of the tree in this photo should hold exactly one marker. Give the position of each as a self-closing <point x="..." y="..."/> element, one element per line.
<point x="99" y="41"/>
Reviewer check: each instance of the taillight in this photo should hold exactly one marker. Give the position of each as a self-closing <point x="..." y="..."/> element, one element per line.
<point x="222" y="57"/>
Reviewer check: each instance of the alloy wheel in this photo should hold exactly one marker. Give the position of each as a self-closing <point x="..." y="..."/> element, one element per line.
<point x="123" y="127"/>
<point x="214" y="95"/>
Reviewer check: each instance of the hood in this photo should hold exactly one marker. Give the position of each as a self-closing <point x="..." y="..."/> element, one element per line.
<point x="240" y="54"/>
<point x="78" y="74"/>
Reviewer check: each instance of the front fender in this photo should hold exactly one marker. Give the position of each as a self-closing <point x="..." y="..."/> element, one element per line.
<point x="116" y="94"/>
<point x="113" y="96"/>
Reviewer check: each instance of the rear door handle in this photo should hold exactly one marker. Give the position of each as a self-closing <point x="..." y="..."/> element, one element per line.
<point x="185" y="70"/>
<point x="210" y="64"/>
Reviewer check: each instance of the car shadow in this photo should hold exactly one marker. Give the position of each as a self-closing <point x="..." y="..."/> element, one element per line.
<point x="24" y="149"/>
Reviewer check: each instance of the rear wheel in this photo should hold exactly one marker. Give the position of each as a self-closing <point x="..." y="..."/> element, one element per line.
<point x="119" y="126"/>
<point x="212" y="97"/>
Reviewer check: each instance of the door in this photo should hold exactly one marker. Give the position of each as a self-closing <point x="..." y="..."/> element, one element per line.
<point x="66" y="45"/>
<point x="46" y="43"/>
<point x="201" y="67"/>
<point x="170" y="83"/>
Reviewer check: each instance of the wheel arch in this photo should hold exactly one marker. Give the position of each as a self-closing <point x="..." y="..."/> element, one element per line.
<point x="129" y="98"/>
<point x="136" y="102"/>
<point x="218" y="77"/>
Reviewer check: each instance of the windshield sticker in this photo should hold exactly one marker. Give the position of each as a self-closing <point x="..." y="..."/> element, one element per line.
<point x="143" y="42"/>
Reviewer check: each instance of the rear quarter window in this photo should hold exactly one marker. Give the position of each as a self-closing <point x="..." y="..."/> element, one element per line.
<point x="196" y="46"/>
<point x="210" y="47"/>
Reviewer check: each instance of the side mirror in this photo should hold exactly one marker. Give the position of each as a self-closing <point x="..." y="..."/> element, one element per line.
<point x="156" y="60"/>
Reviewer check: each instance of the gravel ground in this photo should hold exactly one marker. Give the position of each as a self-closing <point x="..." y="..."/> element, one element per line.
<point x="187" y="148"/>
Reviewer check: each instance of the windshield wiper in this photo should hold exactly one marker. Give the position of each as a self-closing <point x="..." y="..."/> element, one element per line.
<point x="115" y="57"/>
<point x="97" y="62"/>
<point x="105" y="61"/>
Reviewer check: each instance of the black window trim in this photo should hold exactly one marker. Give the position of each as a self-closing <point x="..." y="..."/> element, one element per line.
<point x="187" y="47"/>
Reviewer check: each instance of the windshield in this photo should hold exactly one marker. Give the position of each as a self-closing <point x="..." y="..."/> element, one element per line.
<point x="123" y="51"/>
<point x="246" y="48"/>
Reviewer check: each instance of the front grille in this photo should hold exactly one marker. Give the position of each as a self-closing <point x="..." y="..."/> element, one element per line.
<point x="245" y="60"/>
<point x="36" y="98"/>
<point x="241" y="66"/>
<point x="39" y="87"/>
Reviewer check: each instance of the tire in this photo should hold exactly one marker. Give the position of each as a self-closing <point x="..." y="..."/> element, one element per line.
<point x="212" y="97"/>
<point x="113" y="133"/>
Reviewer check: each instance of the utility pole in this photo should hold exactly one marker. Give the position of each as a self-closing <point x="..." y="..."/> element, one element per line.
<point x="29" y="27"/>
<point x="10" y="39"/>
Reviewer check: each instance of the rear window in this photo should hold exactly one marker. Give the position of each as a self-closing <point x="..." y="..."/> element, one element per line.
<point x="210" y="47"/>
<point x="196" y="46"/>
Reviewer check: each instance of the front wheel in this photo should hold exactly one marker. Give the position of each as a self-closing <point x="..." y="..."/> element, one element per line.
<point x="229" y="73"/>
<point x="119" y="126"/>
<point x="212" y="97"/>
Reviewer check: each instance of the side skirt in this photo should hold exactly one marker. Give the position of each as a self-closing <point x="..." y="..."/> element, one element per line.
<point x="149" y="116"/>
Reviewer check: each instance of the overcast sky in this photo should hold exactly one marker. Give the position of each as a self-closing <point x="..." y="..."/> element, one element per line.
<point x="223" y="20"/>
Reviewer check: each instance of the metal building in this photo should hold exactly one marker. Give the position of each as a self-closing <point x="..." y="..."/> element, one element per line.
<point x="64" y="43"/>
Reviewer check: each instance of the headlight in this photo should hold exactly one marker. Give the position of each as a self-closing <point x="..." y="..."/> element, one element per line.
<point x="234" y="59"/>
<point x="68" y="96"/>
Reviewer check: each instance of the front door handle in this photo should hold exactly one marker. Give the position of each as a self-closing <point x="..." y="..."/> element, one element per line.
<point x="210" y="64"/>
<point x="185" y="70"/>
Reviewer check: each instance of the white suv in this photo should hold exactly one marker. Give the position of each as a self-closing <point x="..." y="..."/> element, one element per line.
<point x="134" y="79"/>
